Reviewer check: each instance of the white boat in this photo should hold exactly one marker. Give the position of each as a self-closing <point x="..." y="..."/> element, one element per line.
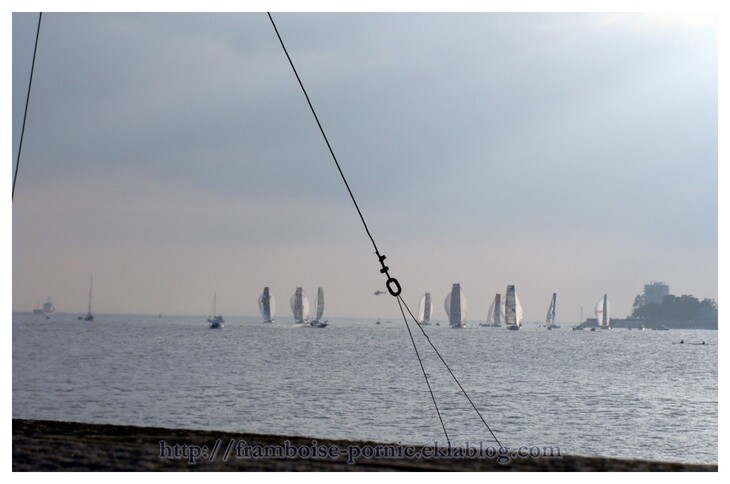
<point x="455" y="305"/>
<point x="494" y="315"/>
<point x="300" y="306"/>
<point x="319" y="310"/>
<point x="550" y="318"/>
<point x="89" y="316"/>
<point x="267" y="305"/>
<point x="603" y="312"/>
<point x="512" y="309"/>
<point x="425" y="310"/>
<point x="215" y="321"/>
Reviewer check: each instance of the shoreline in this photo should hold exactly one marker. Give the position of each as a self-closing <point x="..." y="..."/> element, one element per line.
<point x="45" y="445"/>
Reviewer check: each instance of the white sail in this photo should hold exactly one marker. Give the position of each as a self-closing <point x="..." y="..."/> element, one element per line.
<point x="425" y="308"/>
<point x="300" y="306"/>
<point x="495" y="315"/>
<point x="550" y="317"/>
<point x="319" y="304"/>
<point x="267" y="305"/>
<point x="455" y="305"/>
<point x="512" y="308"/>
<point x="603" y="312"/>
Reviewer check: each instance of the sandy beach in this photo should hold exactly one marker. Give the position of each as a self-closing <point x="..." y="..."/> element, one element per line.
<point x="41" y="445"/>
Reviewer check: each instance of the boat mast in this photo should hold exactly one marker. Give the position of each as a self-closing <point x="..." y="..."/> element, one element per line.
<point x="91" y="285"/>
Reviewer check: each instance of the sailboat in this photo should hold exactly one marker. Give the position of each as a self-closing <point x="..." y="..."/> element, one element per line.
<point x="425" y="310"/>
<point x="89" y="316"/>
<point x="550" y="318"/>
<point x="300" y="306"/>
<point x="215" y="321"/>
<point x="494" y="315"/>
<point x="267" y="305"/>
<point x="603" y="312"/>
<point x="455" y="305"/>
<point x="319" y="310"/>
<point x="512" y="309"/>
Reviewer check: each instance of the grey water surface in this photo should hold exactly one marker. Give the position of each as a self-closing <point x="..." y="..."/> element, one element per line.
<point x="616" y="393"/>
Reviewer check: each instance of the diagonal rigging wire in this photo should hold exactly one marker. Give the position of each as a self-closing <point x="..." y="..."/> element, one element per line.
<point x="27" y="101"/>
<point x="395" y="293"/>
<point x="400" y="299"/>
<point x="415" y="348"/>
<point x="316" y="118"/>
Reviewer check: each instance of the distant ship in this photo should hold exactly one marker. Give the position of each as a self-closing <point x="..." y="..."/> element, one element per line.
<point x="512" y="309"/>
<point x="47" y="308"/>
<point x="299" y="306"/>
<point x="267" y="305"/>
<point x="319" y="310"/>
<point x="425" y="310"/>
<point x="455" y="305"/>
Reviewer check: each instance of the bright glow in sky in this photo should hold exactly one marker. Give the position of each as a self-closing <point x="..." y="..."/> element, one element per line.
<point x="173" y="155"/>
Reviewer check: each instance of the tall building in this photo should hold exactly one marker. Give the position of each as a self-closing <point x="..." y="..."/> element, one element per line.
<point x="655" y="292"/>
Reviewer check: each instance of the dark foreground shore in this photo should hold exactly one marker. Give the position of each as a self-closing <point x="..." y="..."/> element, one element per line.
<point x="41" y="445"/>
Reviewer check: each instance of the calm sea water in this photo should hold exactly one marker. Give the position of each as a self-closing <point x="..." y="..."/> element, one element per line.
<point x="608" y="393"/>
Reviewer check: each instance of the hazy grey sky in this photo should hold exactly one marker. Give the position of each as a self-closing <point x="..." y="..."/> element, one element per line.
<point x="173" y="155"/>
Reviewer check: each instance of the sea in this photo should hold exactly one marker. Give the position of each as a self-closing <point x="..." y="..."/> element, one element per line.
<point x="611" y="393"/>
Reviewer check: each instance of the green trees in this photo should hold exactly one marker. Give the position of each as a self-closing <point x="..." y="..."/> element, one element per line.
<point x="684" y="308"/>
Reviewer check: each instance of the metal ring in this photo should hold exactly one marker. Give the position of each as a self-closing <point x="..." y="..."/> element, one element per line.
<point x="393" y="292"/>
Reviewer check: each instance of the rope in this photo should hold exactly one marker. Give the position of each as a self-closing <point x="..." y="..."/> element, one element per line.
<point x="27" y="101"/>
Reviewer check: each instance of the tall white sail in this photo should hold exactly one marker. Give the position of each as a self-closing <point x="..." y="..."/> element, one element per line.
<point x="512" y="308"/>
<point x="495" y="315"/>
<point x="319" y="304"/>
<point x="603" y="312"/>
<point x="455" y="305"/>
<point x="550" y="317"/>
<point x="300" y="306"/>
<point x="267" y="305"/>
<point x="425" y="309"/>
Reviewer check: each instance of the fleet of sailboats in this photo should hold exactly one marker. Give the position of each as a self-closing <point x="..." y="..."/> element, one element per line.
<point x="505" y="310"/>
<point x="425" y="310"/>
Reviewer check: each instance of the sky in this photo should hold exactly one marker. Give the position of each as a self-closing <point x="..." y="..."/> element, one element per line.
<point x="174" y="155"/>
